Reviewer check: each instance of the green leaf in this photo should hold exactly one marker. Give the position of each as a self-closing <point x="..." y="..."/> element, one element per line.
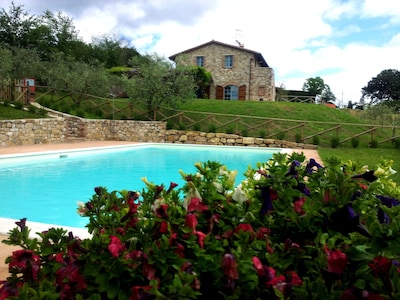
<point x="359" y="252"/>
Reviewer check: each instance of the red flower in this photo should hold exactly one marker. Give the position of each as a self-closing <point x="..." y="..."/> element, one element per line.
<point x="262" y="233"/>
<point x="115" y="247"/>
<point x="337" y="261"/>
<point x="258" y="266"/>
<point x="172" y="185"/>
<point x="163" y="227"/>
<point x="25" y="262"/>
<point x="298" y="205"/>
<point x="246" y="227"/>
<point x="161" y="211"/>
<point x="196" y="205"/>
<point x="191" y="221"/>
<point x="140" y="292"/>
<point x="380" y="266"/>
<point x="200" y="238"/>
<point x="230" y="268"/>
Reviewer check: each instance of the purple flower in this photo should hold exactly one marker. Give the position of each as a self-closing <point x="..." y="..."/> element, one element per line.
<point x="311" y="164"/>
<point x="345" y="220"/>
<point x="21" y="223"/>
<point x="266" y="198"/>
<point x="293" y="168"/>
<point x="388" y="201"/>
<point x="368" y="176"/>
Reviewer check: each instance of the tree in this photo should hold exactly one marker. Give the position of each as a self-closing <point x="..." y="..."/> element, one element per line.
<point x="77" y="78"/>
<point x="154" y="82"/>
<point x="318" y="87"/>
<point x="385" y="87"/>
<point x="15" y="27"/>
<point x="203" y="80"/>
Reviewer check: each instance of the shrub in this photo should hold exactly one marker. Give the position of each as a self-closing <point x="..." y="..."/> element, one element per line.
<point x="373" y="144"/>
<point x="229" y="130"/>
<point x="181" y="126"/>
<point x="19" y="105"/>
<point x="334" y="142"/>
<point x="315" y="140"/>
<point x="245" y="132"/>
<point x="197" y="127"/>
<point x="297" y="137"/>
<point x="262" y="134"/>
<point x="212" y="128"/>
<point x="355" y="142"/>
<point x="280" y="135"/>
<point x="292" y="230"/>
<point x="170" y="125"/>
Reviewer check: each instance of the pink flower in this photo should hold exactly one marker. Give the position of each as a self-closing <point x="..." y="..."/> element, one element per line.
<point x="115" y="247"/>
<point x="196" y="205"/>
<point x="298" y="205"/>
<point x="337" y="260"/>
<point x="246" y="227"/>
<point x="258" y="266"/>
<point x="191" y="221"/>
<point x="200" y="238"/>
<point x="230" y="268"/>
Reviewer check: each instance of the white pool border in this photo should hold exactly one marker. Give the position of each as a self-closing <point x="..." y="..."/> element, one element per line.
<point x="6" y="224"/>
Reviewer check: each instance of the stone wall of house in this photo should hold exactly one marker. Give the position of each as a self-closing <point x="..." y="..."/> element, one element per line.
<point x="224" y="139"/>
<point x="259" y="81"/>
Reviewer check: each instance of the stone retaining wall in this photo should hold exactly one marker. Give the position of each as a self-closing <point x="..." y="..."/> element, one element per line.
<point x="71" y="129"/>
<point x="206" y="138"/>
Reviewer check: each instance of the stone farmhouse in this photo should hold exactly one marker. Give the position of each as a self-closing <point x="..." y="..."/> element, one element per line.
<point x="237" y="73"/>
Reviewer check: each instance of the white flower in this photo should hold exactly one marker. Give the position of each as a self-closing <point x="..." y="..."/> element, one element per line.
<point x="239" y="195"/>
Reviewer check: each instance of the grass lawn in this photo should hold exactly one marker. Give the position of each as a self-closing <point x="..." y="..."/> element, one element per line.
<point x="365" y="156"/>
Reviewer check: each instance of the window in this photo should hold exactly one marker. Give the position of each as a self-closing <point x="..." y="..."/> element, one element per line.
<point x="200" y="61"/>
<point x="228" y="61"/>
<point x="231" y="92"/>
<point x="261" y="90"/>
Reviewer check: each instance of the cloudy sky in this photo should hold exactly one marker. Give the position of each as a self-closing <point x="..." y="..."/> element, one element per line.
<point x="345" y="42"/>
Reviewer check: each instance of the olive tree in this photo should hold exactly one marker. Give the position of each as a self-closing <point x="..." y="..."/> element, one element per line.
<point x="155" y="82"/>
<point x="76" y="78"/>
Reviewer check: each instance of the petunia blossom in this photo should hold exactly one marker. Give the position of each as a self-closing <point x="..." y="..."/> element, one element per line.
<point x="26" y="262"/>
<point x="336" y="260"/>
<point x="116" y="246"/>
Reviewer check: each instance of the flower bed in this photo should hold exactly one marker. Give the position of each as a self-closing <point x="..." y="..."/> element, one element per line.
<point x="292" y="230"/>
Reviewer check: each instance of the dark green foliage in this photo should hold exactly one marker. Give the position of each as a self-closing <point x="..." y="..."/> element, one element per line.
<point x="229" y="130"/>
<point x="355" y="142"/>
<point x="334" y="142"/>
<point x="280" y="135"/>
<point x="315" y="140"/>
<point x="297" y="137"/>
<point x="373" y="144"/>
<point x="212" y="128"/>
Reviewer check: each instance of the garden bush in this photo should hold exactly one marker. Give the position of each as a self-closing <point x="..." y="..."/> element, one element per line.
<point x="293" y="229"/>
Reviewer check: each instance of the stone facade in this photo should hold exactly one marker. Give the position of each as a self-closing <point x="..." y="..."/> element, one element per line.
<point x="71" y="129"/>
<point x="249" y="72"/>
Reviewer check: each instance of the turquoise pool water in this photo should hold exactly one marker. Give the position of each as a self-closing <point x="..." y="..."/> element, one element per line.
<point x="45" y="187"/>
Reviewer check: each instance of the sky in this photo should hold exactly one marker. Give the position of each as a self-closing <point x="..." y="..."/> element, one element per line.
<point x="345" y="42"/>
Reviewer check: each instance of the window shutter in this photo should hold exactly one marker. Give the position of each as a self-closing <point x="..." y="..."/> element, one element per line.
<point x="242" y="92"/>
<point x="220" y="93"/>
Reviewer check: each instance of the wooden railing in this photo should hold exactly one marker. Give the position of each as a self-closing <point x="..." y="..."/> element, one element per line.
<point x="311" y="132"/>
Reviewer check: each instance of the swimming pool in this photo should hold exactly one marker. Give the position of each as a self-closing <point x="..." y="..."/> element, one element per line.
<point x="45" y="187"/>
